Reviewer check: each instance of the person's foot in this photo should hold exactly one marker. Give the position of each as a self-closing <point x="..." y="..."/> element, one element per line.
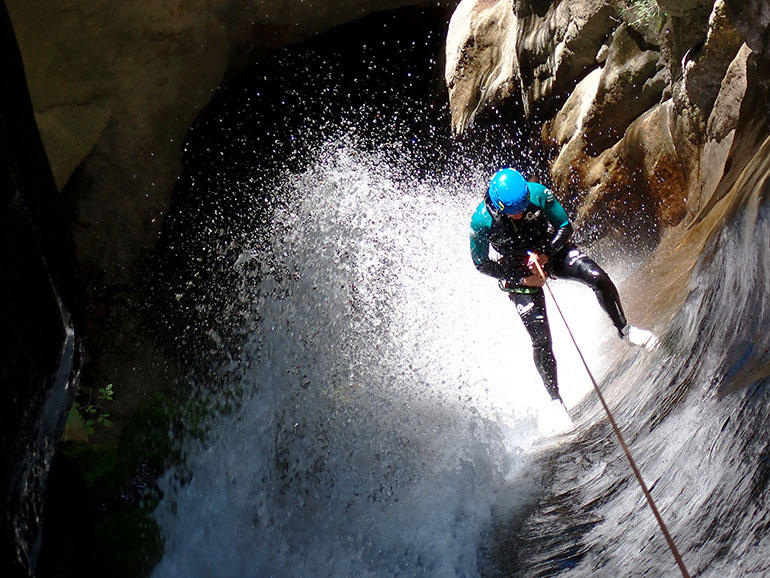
<point x="555" y="418"/>
<point x="639" y="337"/>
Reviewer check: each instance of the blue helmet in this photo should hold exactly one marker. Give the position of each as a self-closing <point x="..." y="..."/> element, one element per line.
<point x="508" y="192"/>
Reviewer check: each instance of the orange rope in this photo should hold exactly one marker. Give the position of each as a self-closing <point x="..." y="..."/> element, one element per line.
<point x="615" y="427"/>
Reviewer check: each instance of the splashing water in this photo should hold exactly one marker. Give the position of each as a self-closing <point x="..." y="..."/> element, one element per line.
<point x="389" y="394"/>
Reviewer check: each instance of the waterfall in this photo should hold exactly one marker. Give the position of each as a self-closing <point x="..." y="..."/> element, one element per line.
<point x="387" y="400"/>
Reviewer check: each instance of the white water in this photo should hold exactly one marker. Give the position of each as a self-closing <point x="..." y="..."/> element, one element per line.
<point x="390" y="398"/>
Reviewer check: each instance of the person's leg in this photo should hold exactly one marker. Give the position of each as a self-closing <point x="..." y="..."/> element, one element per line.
<point x="579" y="266"/>
<point x="531" y="309"/>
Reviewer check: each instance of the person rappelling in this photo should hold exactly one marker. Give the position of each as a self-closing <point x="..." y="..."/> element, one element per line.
<point x="529" y="232"/>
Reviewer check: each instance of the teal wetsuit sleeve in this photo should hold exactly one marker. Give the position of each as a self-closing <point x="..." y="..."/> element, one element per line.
<point x="542" y="197"/>
<point x="481" y="224"/>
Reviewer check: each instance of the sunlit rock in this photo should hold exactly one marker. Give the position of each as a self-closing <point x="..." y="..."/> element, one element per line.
<point x="542" y="49"/>
<point x="720" y="132"/>
<point x="704" y="66"/>
<point x="481" y="57"/>
<point x="568" y="123"/>
<point x="595" y="121"/>
<point x="640" y="175"/>
<point x="632" y="81"/>
<point x="556" y="46"/>
<point x="648" y="149"/>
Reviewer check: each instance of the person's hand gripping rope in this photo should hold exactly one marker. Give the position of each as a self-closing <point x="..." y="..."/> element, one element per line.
<point x="535" y="263"/>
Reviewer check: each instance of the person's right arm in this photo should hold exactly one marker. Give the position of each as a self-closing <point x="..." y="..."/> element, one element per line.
<point x="481" y="224"/>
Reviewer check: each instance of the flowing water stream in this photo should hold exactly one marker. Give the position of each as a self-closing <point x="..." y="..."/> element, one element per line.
<point x="388" y="420"/>
<point x="387" y="394"/>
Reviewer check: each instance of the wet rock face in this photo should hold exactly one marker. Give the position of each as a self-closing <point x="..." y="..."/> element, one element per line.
<point x="37" y="333"/>
<point x="631" y="82"/>
<point x="637" y="103"/>
<point x="539" y="49"/>
<point x="705" y="65"/>
<point x="557" y="48"/>
<point x="480" y="58"/>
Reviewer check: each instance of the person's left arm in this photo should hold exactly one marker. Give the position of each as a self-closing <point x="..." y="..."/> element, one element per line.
<point x="542" y="197"/>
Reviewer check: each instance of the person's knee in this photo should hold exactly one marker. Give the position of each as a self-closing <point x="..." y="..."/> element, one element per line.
<point x="542" y="341"/>
<point x="596" y="276"/>
<point x="537" y="327"/>
<point x="603" y="282"/>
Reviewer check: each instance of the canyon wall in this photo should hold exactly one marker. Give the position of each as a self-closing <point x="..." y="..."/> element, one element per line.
<point x="646" y="112"/>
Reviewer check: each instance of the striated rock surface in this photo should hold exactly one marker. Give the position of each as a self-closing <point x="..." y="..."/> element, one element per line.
<point x="480" y="65"/>
<point x="557" y="45"/>
<point x="538" y="48"/>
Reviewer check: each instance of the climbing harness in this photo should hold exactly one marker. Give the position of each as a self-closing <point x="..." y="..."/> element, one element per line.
<point x="512" y="288"/>
<point x="619" y="435"/>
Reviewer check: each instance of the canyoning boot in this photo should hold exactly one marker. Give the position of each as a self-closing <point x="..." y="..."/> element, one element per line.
<point x="639" y="337"/>
<point x="559" y="405"/>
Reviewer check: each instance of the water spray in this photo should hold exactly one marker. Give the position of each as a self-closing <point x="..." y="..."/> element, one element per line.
<point x="533" y="260"/>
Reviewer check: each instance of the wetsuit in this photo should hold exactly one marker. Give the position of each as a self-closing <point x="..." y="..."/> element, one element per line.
<point x="545" y="229"/>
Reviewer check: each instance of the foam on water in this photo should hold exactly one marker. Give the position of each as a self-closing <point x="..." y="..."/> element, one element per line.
<point x="388" y="396"/>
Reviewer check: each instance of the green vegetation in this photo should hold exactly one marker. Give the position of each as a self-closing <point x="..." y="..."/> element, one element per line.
<point x="121" y="481"/>
<point x="84" y="416"/>
<point x="96" y="413"/>
<point x="642" y="14"/>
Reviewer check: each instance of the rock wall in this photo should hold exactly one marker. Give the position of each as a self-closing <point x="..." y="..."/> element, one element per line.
<point x="647" y="111"/>
<point x="38" y="338"/>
